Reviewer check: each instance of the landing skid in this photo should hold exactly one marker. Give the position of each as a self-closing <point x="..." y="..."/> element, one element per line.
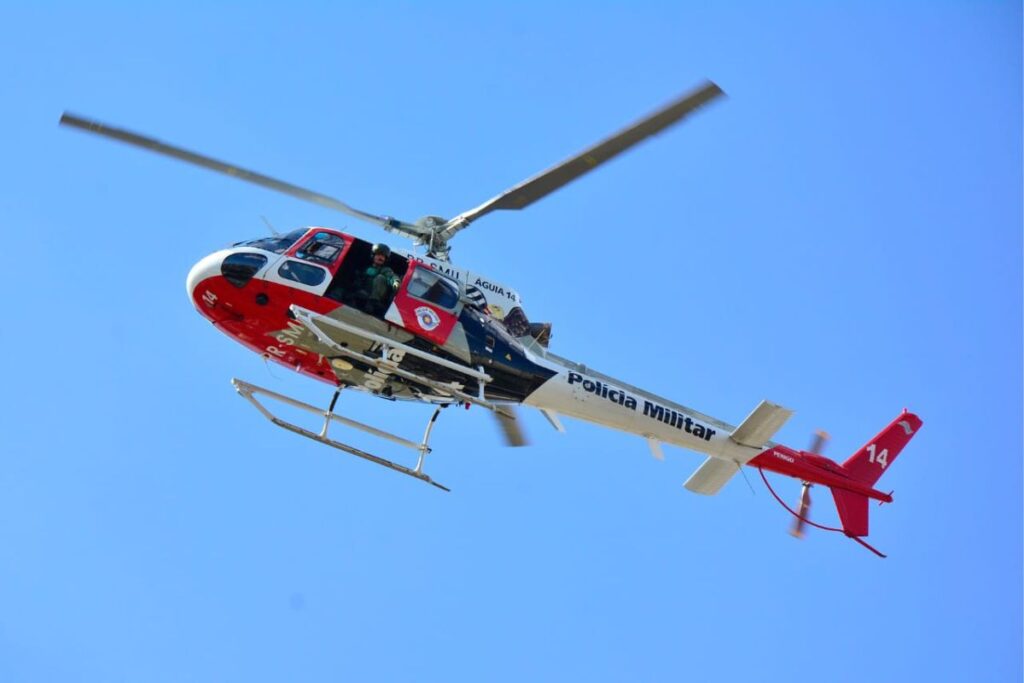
<point x="445" y="391"/>
<point x="251" y="391"/>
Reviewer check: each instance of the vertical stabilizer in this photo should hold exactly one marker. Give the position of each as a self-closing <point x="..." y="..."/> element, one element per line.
<point x="869" y="463"/>
<point x="853" y="511"/>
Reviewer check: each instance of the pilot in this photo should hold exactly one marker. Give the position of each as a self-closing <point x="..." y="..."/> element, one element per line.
<point x="379" y="282"/>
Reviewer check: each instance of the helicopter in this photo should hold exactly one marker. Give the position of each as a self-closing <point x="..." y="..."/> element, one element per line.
<point x="313" y="300"/>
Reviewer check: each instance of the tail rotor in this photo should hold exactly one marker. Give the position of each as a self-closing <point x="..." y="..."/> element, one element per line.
<point x="800" y="521"/>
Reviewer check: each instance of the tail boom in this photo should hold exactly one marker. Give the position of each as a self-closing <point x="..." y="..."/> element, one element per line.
<point x="814" y="469"/>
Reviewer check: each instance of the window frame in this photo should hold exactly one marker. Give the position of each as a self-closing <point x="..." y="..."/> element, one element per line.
<point x="289" y="262"/>
<point x="234" y="282"/>
<point x="300" y="250"/>
<point x="454" y="284"/>
<point x="263" y="243"/>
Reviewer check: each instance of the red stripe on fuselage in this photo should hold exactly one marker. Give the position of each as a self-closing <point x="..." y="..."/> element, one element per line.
<point x="264" y="327"/>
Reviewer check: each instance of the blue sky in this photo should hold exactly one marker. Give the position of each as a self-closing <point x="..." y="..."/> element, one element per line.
<point x="841" y="235"/>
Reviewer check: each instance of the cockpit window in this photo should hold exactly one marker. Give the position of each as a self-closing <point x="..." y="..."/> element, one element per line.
<point x="302" y="272"/>
<point x="323" y="247"/>
<point x="277" y="244"/>
<point x="430" y="286"/>
<point x="238" y="269"/>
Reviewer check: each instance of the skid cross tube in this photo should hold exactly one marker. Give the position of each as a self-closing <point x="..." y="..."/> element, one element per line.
<point x="250" y="391"/>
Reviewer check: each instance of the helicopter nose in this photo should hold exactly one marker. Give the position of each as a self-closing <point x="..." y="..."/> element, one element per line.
<point x="206" y="268"/>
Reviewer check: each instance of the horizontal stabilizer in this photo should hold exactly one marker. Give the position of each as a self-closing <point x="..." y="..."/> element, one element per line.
<point x="761" y="425"/>
<point x="711" y="476"/>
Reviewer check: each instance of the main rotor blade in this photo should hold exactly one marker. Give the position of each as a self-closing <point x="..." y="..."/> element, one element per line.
<point x="511" y="428"/>
<point x="386" y="222"/>
<point x="546" y="182"/>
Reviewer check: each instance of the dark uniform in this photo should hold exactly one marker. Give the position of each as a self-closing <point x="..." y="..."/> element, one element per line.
<point x="379" y="283"/>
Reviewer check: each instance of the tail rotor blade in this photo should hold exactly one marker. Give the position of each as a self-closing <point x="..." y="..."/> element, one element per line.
<point x="800" y="523"/>
<point x="805" y="506"/>
<point x="821" y="438"/>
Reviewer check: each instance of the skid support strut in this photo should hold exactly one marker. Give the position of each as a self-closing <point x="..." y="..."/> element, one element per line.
<point x="251" y="391"/>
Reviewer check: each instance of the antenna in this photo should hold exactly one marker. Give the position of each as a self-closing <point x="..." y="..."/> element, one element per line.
<point x="270" y="227"/>
<point x="739" y="468"/>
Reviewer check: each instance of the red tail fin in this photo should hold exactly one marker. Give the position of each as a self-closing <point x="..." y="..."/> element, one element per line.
<point x="871" y="461"/>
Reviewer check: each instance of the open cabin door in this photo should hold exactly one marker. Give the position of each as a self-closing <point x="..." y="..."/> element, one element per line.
<point x="427" y="304"/>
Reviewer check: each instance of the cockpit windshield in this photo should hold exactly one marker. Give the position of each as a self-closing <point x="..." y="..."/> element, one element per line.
<point x="323" y="247"/>
<point x="277" y="244"/>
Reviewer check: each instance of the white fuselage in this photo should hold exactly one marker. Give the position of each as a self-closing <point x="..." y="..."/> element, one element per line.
<point x="581" y="393"/>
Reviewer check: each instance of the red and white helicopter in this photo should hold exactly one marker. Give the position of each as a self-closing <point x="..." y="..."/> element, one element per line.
<point x="448" y="336"/>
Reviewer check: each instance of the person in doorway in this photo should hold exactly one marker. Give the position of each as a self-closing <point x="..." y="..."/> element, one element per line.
<point x="379" y="282"/>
